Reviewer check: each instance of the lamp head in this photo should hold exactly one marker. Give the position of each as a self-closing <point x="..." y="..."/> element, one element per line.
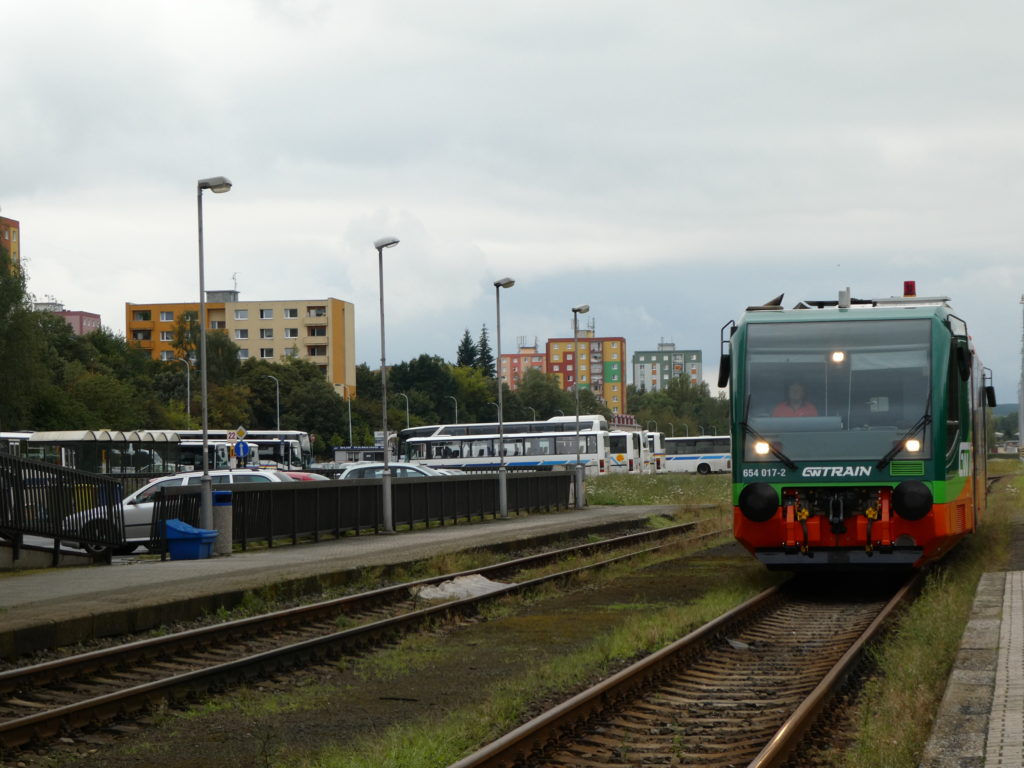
<point x="215" y="184"/>
<point x="582" y="309"/>
<point x="385" y="242"/>
<point x="505" y="282"/>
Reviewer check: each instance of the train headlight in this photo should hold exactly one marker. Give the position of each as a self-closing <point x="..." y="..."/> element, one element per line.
<point x="913" y="445"/>
<point x="762" y="448"/>
<point x="759" y="501"/>
<point x="912" y="499"/>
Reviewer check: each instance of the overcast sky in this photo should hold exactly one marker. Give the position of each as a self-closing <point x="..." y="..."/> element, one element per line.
<point x="666" y="162"/>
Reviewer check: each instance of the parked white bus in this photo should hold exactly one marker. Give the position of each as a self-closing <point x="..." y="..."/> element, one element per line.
<point x="626" y="452"/>
<point x="542" y="445"/>
<point x="656" y="451"/>
<point x="703" y="454"/>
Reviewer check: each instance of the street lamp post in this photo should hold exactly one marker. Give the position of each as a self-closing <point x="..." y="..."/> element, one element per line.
<point x="701" y="428"/>
<point x="671" y="429"/>
<point x="533" y="411"/>
<point x="389" y="526"/>
<point x="582" y="309"/>
<point x="505" y="282"/>
<point x="456" y="401"/>
<point x="277" y="390"/>
<point x="217" y="184"/>
<point x="652" y="421"/>
<point x="402" y="394"/>
<point x="188" y="389"/>
<point x="687" y="428"/>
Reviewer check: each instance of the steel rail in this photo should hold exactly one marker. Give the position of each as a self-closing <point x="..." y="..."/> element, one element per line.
<point x="19" y="731"/>
<point x="787" y="738"/>
<point x="57" y="669"/>
<point x="534" y="735"/>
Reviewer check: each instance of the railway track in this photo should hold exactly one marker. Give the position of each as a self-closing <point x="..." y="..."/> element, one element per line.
<point x="41" y="701"/>
<point x="740" y="691"/>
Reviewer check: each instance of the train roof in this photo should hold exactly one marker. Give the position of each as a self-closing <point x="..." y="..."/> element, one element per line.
<point x="847" y="307"/>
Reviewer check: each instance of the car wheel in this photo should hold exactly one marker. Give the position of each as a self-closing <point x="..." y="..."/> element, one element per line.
<point x="95" y="530"/>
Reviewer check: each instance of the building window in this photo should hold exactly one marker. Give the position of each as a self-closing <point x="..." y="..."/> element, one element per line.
<point x="241" y="314"/>
<point x="318" y="330"/>
<point x="316" y="311"/>
<point x="317" y="350"/>
<point x="218" y="325"/>
<point x="243" y="354"/>
<point x="266" y="352"/>
<point x="140" y="335"/>
<point x="166" y="336"/>
<point x="291" y="333"/>
<point x="291" y="352"/>
<point x="166" y="317"/>
<point x="241" y="334"/>
<point x="167" y="355"/>
<point x="291" y="312"/>
<point x="266" y="314"/>
<point x="141" y="316"/>
<point x="266" y="333"/>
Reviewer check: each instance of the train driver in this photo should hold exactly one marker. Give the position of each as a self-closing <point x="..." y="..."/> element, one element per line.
<point x="795" y="404"/>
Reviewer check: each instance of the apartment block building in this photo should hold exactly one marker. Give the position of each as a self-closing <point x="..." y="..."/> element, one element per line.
<point x="81" y="322"/>
<point x="321" y="331"/>
<point x="654" y="369"/>
<point x="512" y="367"/>
<point x="10" y="238"/>
<point x="594" y="362"/>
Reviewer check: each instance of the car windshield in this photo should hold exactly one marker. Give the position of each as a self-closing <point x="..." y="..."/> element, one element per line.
<point x="859" y="385"/>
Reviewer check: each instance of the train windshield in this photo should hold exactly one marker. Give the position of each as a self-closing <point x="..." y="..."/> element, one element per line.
<point x="836" y="390"/>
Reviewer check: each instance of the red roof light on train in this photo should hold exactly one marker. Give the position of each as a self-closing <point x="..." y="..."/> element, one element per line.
<point x="909" y="288"/>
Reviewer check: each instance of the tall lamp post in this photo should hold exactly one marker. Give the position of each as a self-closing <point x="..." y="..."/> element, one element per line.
<point x="277" y="391"/>
<point x="671" y="429"/>
<point x="582" y="309"/>
<point x="402" y="394"/>
<point x="505" y="282"/>
<point x="188" y="388"/>
<point x="217" y="184"/>
<point x="456" y="401"/>
<point x="652" y="421"/>
<point x="389" y="526"/>
<point x="533" y="411"/>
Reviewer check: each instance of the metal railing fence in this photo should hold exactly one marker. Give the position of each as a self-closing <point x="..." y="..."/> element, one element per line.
<point x="42" y="499"/>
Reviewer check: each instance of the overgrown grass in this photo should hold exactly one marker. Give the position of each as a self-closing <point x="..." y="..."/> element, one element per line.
<point x="894" y="718"/>
<point x="432" y="743"/>
<point x="669" y="488"/>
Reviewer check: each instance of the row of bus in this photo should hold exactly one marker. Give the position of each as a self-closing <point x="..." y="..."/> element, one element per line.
<point x="149" y="451"/>
<point x="559" y="443"/>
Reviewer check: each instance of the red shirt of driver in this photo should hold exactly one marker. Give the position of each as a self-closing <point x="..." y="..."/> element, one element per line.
<point x="804" y="409"/>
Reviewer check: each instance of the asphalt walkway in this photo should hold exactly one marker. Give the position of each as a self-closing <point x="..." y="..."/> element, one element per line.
<point x="64" y="606"/>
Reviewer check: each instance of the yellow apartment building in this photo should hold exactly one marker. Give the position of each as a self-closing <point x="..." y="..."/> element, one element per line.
<point x="321" y="331"/>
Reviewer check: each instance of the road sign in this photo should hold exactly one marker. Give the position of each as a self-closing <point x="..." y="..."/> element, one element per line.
<point x="242" y="449"/>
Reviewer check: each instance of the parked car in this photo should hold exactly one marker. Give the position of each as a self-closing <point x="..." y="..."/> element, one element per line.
<point x="367" y="469"/>
<point x="138" y="506"/>
<point x="305" y="477"/>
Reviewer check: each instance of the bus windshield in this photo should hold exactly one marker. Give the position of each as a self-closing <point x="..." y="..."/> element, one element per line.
<point x="860" y="385"/>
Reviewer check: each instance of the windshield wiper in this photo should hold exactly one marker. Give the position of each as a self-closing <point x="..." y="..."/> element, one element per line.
<point x="788" y="462"/>
<point x="919" y="426"/>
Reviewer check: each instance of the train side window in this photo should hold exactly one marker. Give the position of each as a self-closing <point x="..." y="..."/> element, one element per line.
<point x="954" y="394"/>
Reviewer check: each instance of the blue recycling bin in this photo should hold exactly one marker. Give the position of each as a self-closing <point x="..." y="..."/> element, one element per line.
<point x="184" y="542"/>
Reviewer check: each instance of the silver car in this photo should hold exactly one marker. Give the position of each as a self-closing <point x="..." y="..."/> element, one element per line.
<point x="138" y="506"/>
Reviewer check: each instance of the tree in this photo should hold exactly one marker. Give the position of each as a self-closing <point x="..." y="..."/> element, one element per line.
<point x="467" y="353"/>
<point x="484" y="356"/>
<point x="185" y="336"/>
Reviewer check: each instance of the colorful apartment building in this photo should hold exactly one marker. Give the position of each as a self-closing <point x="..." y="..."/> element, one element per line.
<point x="321" y="331"/>
<point x="654" y="369"/>
<point x="512" y="367"/>
<point x="10" y="238"/>
<point x="594" y="362"/>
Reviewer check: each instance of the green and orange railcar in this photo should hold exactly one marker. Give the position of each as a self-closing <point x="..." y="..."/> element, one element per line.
<point x="858" y="431"/>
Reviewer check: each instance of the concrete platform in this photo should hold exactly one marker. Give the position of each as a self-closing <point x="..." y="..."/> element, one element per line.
<point x="980" y="723"/>
<point x="60" y="607"/>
